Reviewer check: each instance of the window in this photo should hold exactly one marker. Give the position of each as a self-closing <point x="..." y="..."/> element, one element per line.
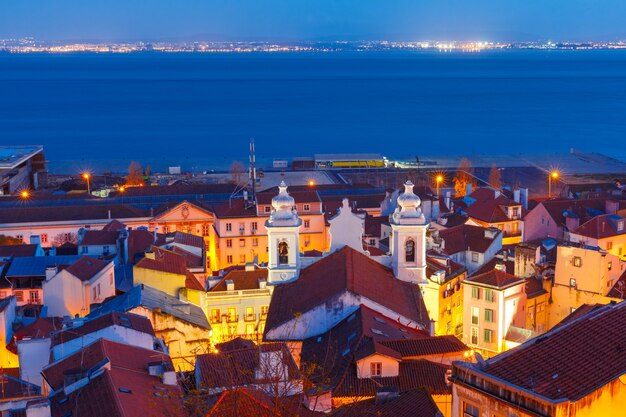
<point x="283" y="253"/>
<point x="476" y="293"/>
<point x="232" y="314"/>
<point x="306" y="207"/>
<point x="488" y="336"/>
<point x="489" y="295"/>
<point x="84" y="249"/>
<point x="242" y="259"/>
<point x="229" y="259"/>
<point x="474" y="340"/>
<point x="475" y="312"/>
<point x="488" y="315"/>
<point x="609" y="245"/>
<point x="515" y="212"/>
<point x="205" y="230"/>
<point x="610" y="266"/>
<point x="577" y="261"/>
<point x="267" y="209"/>
<point x="34" y="297"/>
<point x="229" y="227"/>
<point x="242" y="227"/>
<point x="229" y="243"/>
<point x="250" y="329"/>
<point x="254" y="226"/>
<point x="216" y="317"/>
<point x="44" y="238"/>
<point x="232" y="329"/>
<point x="264" y="310"/>
<point x="105" y="250"/>
<point x="409" y="251"/>
<point x="242" y="243"/>
<point x="376" y="369"/>
<point x="470" y="410"/>
<point x="475" y="257"/>
<point x="572" y="282"/>
<point x="19" y="237"/>
<point x="255" y="241"/>
<point x="372" y="242"/>
<point x="307" y="224"/>
<point x="19" y="296"/>
<point x="249" y="314"/>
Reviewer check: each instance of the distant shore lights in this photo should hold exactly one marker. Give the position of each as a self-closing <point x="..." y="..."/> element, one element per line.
<point x="87" y="177"/>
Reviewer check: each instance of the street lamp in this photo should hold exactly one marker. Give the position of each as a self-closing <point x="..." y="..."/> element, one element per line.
<point x="25" y="194"/>
<point x="438" y="181"/>
<point x="554" y="175"/>
<point x="87" y="177"/>
<point x="311" y="183"/>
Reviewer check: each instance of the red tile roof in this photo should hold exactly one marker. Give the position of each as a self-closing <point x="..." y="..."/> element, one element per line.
<point x="15" y="388"/>
<point x="571" y="361"/>
<point x="114" y="225"/>
<point x="86" y="267"/>
<point x="583" y="209"/>
<point x="243" y="402"/>
<point x="435" y="345"/>
<point x="189" y="240"/>
<point x="603" y="226"/>
<point x="488" y="207"/>
<point x="139" y="241"/>
<point x="128" y="320"/>
<point x="73" y="213"/>
<point x="164" y="261"/>
<point x="39" y="329"/>
<point x="234" y="208"/>
<point x="373" y="225"/>
<point x="619" y="289"/>
<point x="495" y="278"/>
<point x="243" y="280"/>
<point x="412" y="403"/>
<point x="235" y="344"/>
<point x="99" y="237"/>
<point x="126" y="389"/>
<point x="508" y="264"/>
<point x="191" y="259"/>
<point x="346" y="270"/>
<point x="465" y="237"/>
<point x="17" y="251"/>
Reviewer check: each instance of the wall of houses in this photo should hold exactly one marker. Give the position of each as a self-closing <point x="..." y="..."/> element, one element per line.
<point x="389" y="366"/>
<point x="34" y="354"/>
<point x="445" y="305"/>
<point x="164" y="281"/>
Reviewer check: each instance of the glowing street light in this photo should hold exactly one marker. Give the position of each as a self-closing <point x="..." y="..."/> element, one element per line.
<point x="438" y="181"/>
<point x="25" y="194"/>
<point x="554" y="175"/>
<point x="311" y="183"/>
<point x="87" y="176"/>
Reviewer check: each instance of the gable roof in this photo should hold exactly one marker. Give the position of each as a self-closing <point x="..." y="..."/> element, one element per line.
<point x="465" y="237"/>
<point x="434" y="345"/>
<point x="153" y="299"/>
<point x="487" y="207"/>
<point x="170" y="262"/>
<point x="15" y="251"/>
<point x="39" y="329"/>
<point x="189" y="240"/>
<point x="35" y="266"/>
<point x="603" y="226"/>
<point x="99" y="237"/>
<point x="114" y="225"/>
<point x="15" y="388"/>
<point x="345" y="270"/>
<point x="495" y="279"/>
<point x="71" y="213"/>
<point x="243" y="280"/>
<point x="582" y="209"/>
<point x="86" y="267"/>
<point x="568" y="362"/>
<point x="412" y="403"/>
<point x="114" y="318"/>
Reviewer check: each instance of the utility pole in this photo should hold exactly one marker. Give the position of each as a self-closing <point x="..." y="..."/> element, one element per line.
<point x="253" y="169"/>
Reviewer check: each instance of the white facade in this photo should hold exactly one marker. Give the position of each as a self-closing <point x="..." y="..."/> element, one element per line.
<point x="34" y="355"/>
<point x="66" y="295"/>
<point x="346" y="229"/>
<point x="283" y="230"/>
<point x="408" y="240"/>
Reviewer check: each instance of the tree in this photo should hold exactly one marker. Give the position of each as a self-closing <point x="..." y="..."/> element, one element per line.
<point x="463" y="177"/>
<point x="135" y="174"/>
<point x="9" y="240"/>
<point x="237" y="171"/>
<point x="495" y="177"/>
<point x="62" y="238"/>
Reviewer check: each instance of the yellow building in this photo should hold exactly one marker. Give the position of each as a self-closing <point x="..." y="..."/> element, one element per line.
<point x="583" y="275"/>
<point x="574" y="370"/>
<point x="443" y="295"/>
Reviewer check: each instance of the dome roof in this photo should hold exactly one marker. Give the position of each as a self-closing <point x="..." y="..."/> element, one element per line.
<point x="408" y="200"/>
<point x="283" y="206"/>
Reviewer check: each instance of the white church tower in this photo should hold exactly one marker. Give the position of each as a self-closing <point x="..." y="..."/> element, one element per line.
<point x="408" y="241"/>
<point x="283" y="231"/>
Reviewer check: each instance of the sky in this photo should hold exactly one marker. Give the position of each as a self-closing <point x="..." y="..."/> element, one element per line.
<point x="318" y="20"/>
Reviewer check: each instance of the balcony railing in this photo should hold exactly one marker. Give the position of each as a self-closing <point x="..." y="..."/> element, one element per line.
<point x="232" y="318"/>
<point x="249" y="317"/>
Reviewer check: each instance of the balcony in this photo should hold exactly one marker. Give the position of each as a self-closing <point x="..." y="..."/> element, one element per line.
<point x="215" y="320"/>
<point x="249" y="317"/>
<point x="232" y="318"/>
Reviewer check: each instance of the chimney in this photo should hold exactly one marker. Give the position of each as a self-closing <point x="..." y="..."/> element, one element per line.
<point x="51" y="271"/>
<point x="230" y="285"/>
<point x="249" y="267"/>
<point x="500" y="267"/>
<point x="491" y="232"/>
<point x="517" y="195"/>
<point x="109" y="214"/>
<point x="524" y="197"/>
<point x="431" y="327"/>
<point x="150" y="254"/>
<point x="169" y="378"/>
<point x="262" y="284"/>
<point x="35" y="240"/>
<point x="611" y="206"/>
<point x="468" y="189"/>
<point x="245" y="195"/>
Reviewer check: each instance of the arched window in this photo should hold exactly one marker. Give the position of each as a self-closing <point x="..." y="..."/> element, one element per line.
<point x="283" y="253"/>
<point x="409" y="250"/>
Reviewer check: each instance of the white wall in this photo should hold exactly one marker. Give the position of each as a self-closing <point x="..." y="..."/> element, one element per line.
<point x="115" y="333"/>
<point x="34" y="354"/>
<point x="390" y="366"/>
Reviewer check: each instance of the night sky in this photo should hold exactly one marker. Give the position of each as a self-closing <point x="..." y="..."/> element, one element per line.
<point x="287" y="20"/>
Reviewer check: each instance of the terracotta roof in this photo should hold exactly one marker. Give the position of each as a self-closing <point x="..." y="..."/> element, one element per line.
<point x="164" y="261"/>
<point x="139" y="241"/>
<point x="126" y="389"/>
<point x="582" y="209"/>
<point x="465" y="237"/>
<point x="114" y="225"/>
<point x="534" y="287"/>
<point x="412" y="403"/>
<point x="412" y="374"/>
<point x="448" y="220"/>
<point x="191" y="259"/>
<point x="300" y="196"/>
<point x="373" y="225"/>
<point x="131" y="321"/>
<point x="234" y="208"/>
<point x="71" y="213"/>
<point x="236" y="368"/>
<point x="346" y="270"/>
<point x="39" y="329"/>
<point x="495" y="278"/>
<point x="509" y="265"/>
<point x="578" y="313"/>
<point x="243" y="280"/>
<point x="487" y="207"/>
<point x="435" y="345"/>
<point x="15" y="388"/>
<point x="86" y="267"/>
<point x="435" y="263"/>
<point x="603" y="226"/>
<point x="235" y="344"/>
<point x="571" y="361"/>
<point x="243" y="402"/>
<point x="15" y="251"/>
<point x="189" y="240"/>
<point x="619" y="289"/>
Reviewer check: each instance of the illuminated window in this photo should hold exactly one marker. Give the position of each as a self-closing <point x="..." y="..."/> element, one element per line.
<point x="489" y="295"/>
<point x="610" y="266"/>
<point x="250" y="329"/>
<point x="572" y="282"/>
<point x="475" y="312"/>
<point x="470" y="410"/>
<point x="409" y="251"/>
<point x="476" y="293"/>
<point x="376" y="369"/>
<point x="229" y="243"/>
<point x="19" y="237"/>
<point x="44" y="238"/>
<point x="475" y="257"/>
<point x="283" y="253"/>
<point x="229" y="259"/>
<point x="229" y="227"/>
<point x="205" y="229"/>
<point x="609" y="245"/>
<point x="577" y="261"/>
<point x="307" y="224"/>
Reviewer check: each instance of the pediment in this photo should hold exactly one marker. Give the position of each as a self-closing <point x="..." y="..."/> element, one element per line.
<point x="184" y="212"/>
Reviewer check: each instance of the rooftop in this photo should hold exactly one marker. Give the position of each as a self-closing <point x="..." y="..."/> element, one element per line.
<point x="495" y="279"/>
<point x="86" y="267"/>
<point x="12" y="156"/>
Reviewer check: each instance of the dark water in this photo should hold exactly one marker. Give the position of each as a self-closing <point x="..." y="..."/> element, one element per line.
<point x="199" y="110"/>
